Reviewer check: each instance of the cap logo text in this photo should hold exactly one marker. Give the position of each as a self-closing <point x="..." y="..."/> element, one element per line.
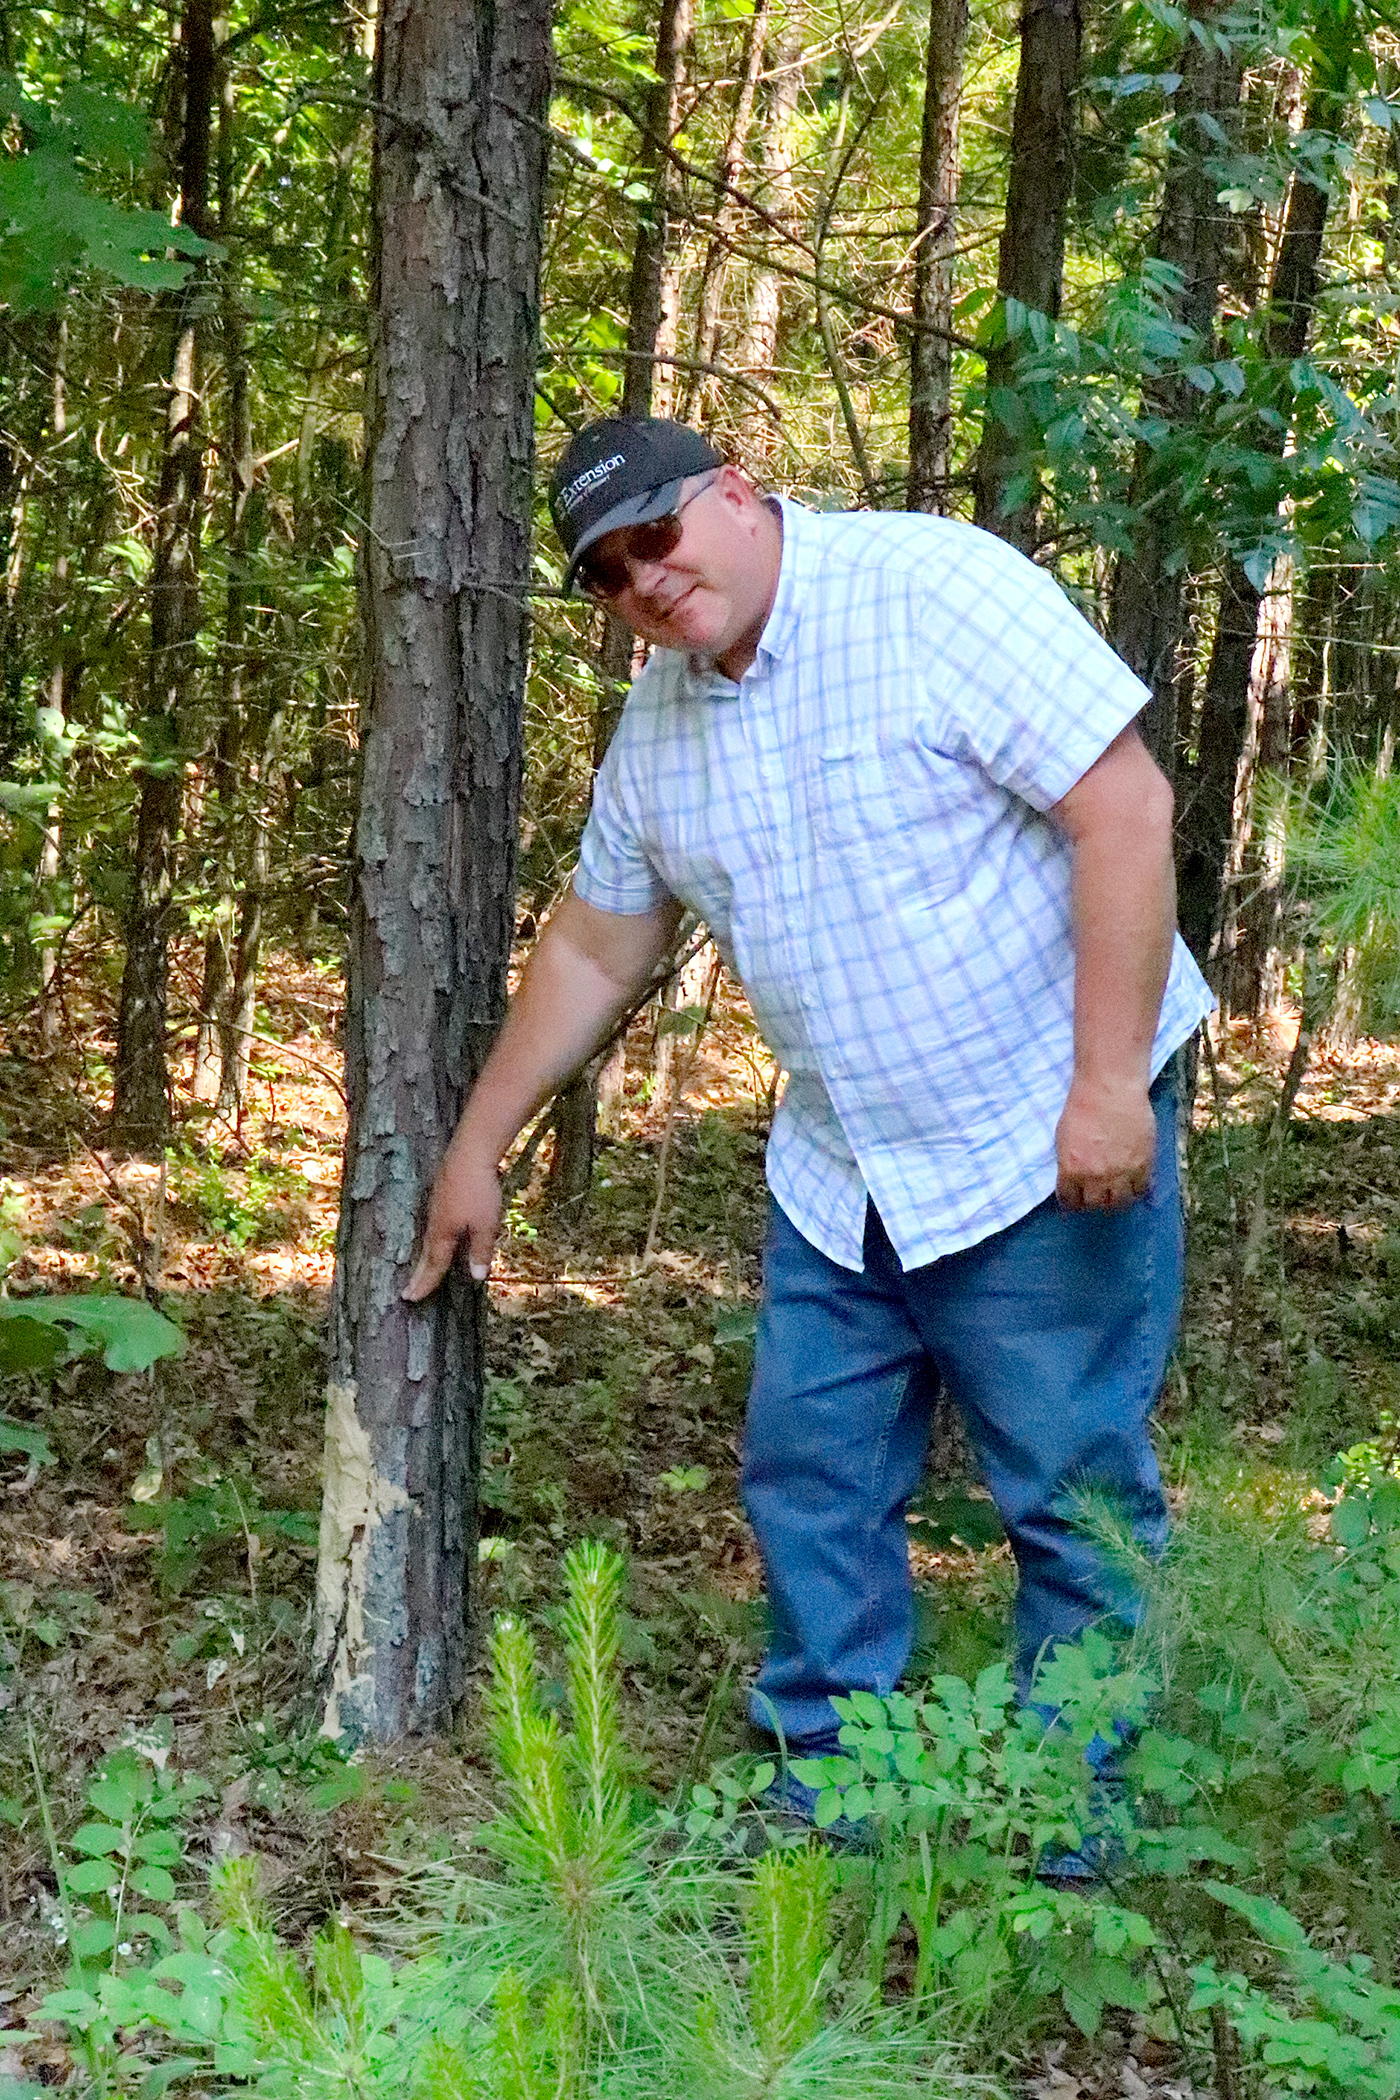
<point x="571" y="497"/>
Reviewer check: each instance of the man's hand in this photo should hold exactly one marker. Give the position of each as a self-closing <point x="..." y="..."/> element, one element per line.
<point x="464" y="1213"/>
<point x="1105" y="1143"/>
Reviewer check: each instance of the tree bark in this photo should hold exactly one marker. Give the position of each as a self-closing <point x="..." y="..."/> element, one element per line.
<point x="931" y="349"/>
<point x="462" y="96"/>
<point x="1032" y="249"/>
<point x="709" y="335"/>
<point x="1250" y="968"/>
<point x="651" y="295"/>
<point x="141" y="1100"/>
<point x="214" y="1073"/>
<point x="1207" y="819"/>
<point x="46" y="877"/>
<point x="758" y="347"/>
<point x="1149" y="586"/>
<point x="648" y="315"/>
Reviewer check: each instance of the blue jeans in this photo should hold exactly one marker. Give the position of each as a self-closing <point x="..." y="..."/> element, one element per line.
<point x="1052" y="1338"/>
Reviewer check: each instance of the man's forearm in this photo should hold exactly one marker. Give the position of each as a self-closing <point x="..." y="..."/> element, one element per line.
<point x="1118" y="820"/>
<point x="1124" y="904"/>
<point x="582" y="974"/>
<point x="586" y="967"/>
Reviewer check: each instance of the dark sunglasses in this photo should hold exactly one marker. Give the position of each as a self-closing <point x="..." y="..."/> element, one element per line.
<point x="606" y="572"/>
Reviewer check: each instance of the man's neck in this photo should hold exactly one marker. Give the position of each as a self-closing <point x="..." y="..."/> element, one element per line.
<point x="736" y="659"/>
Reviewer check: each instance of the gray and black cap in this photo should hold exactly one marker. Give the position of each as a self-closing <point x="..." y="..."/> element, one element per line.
<point x="622" y="471"/>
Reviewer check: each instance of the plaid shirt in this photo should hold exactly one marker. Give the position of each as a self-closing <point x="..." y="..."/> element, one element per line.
<point x="861" y="822"/>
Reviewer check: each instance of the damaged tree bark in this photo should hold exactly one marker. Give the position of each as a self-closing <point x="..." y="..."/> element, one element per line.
<point x="462" y="94"/>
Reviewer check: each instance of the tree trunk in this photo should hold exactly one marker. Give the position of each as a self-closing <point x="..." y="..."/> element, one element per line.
<point x="648" y="315"/>
<point x="46" y="879"/>
<point x="1149" y="586"/>
<point x="651" y="296"/>
<point x="461" y="99"/>
<point x="758" y="348"/>
<point x="709" y="337"/>
<point x="141" y="1100"/>
<point x="931" y="348"/>
<point x="1251" y="972"/>
<point x="1032" y="251"/>
<point x="213" y="1076"/>
<point x="1207" y="818"/>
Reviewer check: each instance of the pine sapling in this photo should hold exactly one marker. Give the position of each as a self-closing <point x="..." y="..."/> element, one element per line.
<point x="789" y="1938"/>
<point x="594" y="1574"/>
<point x="540" y="1837"/>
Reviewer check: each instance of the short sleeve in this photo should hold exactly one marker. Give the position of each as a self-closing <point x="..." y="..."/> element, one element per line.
<point x="613" y="872"/>
<point x="1018" y="679"/>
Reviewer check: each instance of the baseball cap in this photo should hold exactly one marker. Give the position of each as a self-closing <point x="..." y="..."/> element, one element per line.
<point x="620" y="471"/>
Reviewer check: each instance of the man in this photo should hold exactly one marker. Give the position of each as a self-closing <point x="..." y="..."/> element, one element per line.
<point x="897" y="775"/>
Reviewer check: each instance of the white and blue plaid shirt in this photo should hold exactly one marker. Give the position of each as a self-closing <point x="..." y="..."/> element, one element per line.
<point x="861" y="823"/>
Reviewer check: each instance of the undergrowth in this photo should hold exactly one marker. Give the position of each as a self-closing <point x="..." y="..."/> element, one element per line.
<point x="1234" y="1770"/>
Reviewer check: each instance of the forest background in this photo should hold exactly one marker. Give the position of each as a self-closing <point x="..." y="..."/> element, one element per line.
<point x="1117" y="281"/>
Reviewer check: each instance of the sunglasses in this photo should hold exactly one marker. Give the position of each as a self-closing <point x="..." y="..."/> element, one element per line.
<point x="606" y="572"/>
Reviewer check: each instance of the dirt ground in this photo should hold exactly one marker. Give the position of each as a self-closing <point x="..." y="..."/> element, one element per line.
<point x="161" y="1569"/>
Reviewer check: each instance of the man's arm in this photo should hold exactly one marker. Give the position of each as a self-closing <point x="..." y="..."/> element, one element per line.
<point x="584" y="970"/>
<point x="1118" y="819"/>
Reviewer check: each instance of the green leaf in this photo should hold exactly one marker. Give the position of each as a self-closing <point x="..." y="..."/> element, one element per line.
<point x="115" y="1798"/>
<point x="1351" y="1521"/>
<point x="98" y="1837"/>
<point x="159" y="1848"/>
<point x="154" y="1882"/>
<point x="92" y="1937"/>
<point x="90" y="1876"/>
<point x="26" y="1344"/>
<point x="75" y="2008"/>
<point x="130" y="1334"/>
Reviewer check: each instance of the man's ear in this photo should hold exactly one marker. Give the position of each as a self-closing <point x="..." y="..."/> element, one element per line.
<point x="736" y="488"/>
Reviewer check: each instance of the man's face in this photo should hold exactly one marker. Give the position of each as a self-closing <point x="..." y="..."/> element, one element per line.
<point x="716" y="585"/>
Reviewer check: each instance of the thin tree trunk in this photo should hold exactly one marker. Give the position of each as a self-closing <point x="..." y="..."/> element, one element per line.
<point x="1032" y="250"/>
<point x="141" y="1101"/>
<point x="758" y="347"/>
<point x="645" y="391"/>
<point x="1206" y="822"/>
<point x="651" y="299"/>
<point x="931" y="348"/>
<point x="47" y="872"/>
<point x="462" y="97"/>
<point x="212" y="1044"/>
<point x="1149" y="586"/>
<point x="1251" y="975"/>
<point x="709" y="333"/>
<point x="337" y="253"/>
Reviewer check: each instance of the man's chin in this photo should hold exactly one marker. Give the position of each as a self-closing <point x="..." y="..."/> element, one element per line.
<point x="690" y="626"/>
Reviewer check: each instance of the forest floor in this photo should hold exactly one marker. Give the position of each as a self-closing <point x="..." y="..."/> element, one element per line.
<point x="160" y="1571"/>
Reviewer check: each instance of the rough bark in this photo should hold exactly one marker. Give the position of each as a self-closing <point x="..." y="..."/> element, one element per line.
<point x="1149" y="586"/>
<point x="1251" y="964"/>
<point x="1209" y="802"/>
<point x="758" y="347"/>
<point x="461" y="96"/>
<point x="651" y="297"/>
<point x="931" y="349"/>
<point x="709" y="334"/>
<point x="1031" y="268"/>
<point x="141" y="1102"/>
<point x="215" y="1060"/>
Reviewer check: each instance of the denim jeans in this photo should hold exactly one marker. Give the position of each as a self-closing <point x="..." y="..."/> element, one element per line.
<point x="1052" y="1338"/>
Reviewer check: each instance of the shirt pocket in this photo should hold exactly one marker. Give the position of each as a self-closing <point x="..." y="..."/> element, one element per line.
<point x="878" y="812"/>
